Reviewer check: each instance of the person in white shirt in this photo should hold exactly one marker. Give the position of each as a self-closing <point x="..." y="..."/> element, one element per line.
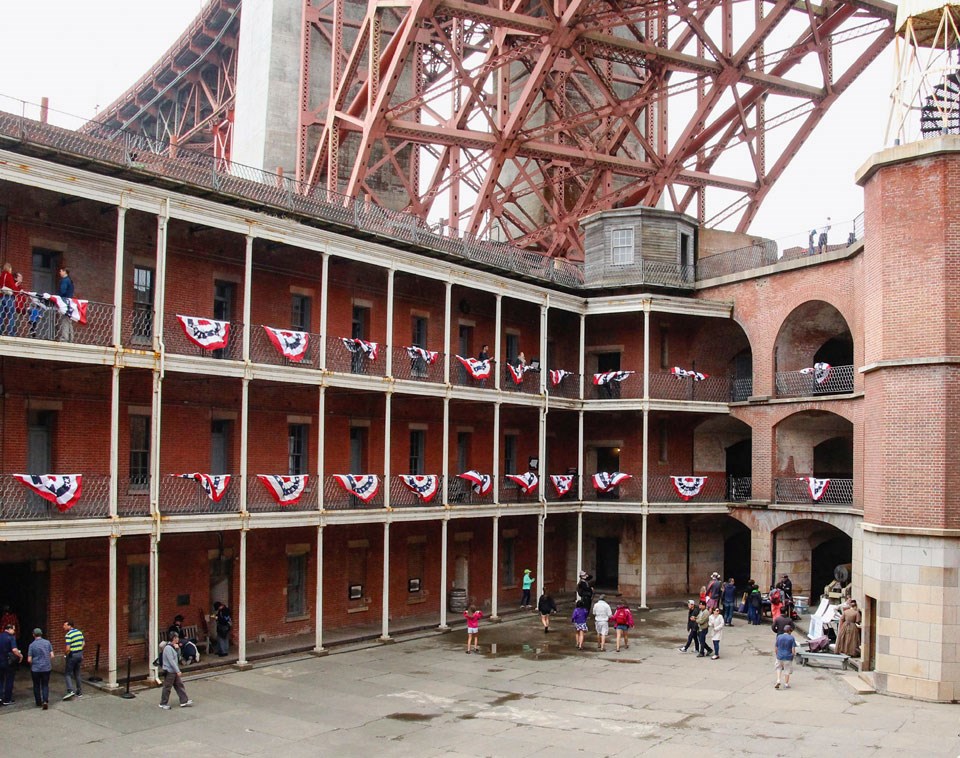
<point x="601" y="619"/>
<point x="716" y="631"/>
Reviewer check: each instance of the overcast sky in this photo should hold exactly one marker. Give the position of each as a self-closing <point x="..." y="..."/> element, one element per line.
<point x="82" y="55"/>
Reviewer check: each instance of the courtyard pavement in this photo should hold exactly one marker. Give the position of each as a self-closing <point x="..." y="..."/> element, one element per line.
<point x="526" y="693"/>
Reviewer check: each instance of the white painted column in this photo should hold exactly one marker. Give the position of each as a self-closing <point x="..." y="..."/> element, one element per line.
<point x="583" y="354"/>
<point x="244" y="439"/>
<point x="159" y="304"/>
<point x="247" y="295"/>
<point x="444" y="523"/>
<point x="324" y="305"/>
<point x="499" y="363"/>
<point x="318" y="606"/>
<point x="447" y="329"/>
<point x="541" y="530"/>
<point x="579" y="543"/>
<point x="643" y="562"/>
<point x="112" y="616"/>
<point x="445" y="458"/>
<point x="242" y="628"/>
<point x="544" y="368"/>
<point x="114" y="494"/>
<point x="496" y="452"/>
<point x="118" y="275"/>
<point x="580" y="456"/>
<point x="153" y="618"/>
<point x="645" y="448"/>
<point x="390" y="295"/>
<point x="387" y="447"/>
<point x="321" y="436"/>
<point x="495" y="571"/>
<point x="385" y="620"/>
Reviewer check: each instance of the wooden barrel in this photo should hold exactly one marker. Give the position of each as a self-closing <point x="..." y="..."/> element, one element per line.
<point x="458" y="600"/>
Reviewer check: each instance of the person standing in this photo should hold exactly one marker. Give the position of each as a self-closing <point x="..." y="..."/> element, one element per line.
<point x="10" y="658"/>
<point x="8" y="301"/>
<point x="9" y="617"/>
<point x="623" y="621"/>
<point x="713" y="591"/>
<point x="224" y="623"/>
<point x="811" y="241"/>
<point x="73" y="638"/>
<point x="754" y="603"/>
<point x="40" y="658"/>
<point x="848" y="637"/>
<point x="473" y="616"/>
<point x="693" y="636"/>
<point x="729" y="598"/>
<point x="824" y="234"/>
<point x="579" y="621"/>
<point x="546" y="606"/>
<point x="484" y="353"/>
<point x="601" y="620"/>
<point x="785" y="647"/>
<point x="584" y="589"/>
<point x="703" y="624"/>
<point x="66" y="293"/>
<point x="526" y="584"/>
<point x="716" y="631"/>
<point x="172" y="679"/>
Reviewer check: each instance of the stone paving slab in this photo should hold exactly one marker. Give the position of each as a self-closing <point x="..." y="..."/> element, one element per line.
<point x="523" y="695"/>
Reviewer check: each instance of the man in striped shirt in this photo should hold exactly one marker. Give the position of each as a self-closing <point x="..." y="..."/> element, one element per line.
<point x="71" y="672"/>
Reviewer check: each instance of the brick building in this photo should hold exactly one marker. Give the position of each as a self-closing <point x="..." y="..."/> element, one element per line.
<point x="801" y="369"/>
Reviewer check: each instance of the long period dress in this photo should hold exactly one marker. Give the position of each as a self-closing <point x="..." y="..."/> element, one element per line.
<point x="848" y="641"/>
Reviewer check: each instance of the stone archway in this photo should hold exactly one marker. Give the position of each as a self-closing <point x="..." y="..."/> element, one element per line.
<point x="808" y="550"/>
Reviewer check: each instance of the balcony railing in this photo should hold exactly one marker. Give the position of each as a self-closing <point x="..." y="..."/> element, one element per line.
<point x="402" y="496"/>
<point x="569" y="387"/>
<point x="739" y="488"/>
<point x="133" y="496"/>
<point x="340" y="359"/>
<point x="529" y="382"/>
<point x="176" y="342"/>
<point x="136" y="327"/>
<point x="38" y="321"/>
<point x="460" y="492"/>
<point x="550" y="492"/>
<point x="259" y="500"/>
<point x="660" y="489"/>
<point x="18" y="503"/>
<point x="838" y="381"/>
<point x="741" y="388"/>
<point x="713" y="389"/>
<point x="180" y="496"/>
<point x="417" y="369"/>
<point x="796" y="491"/>
<point x="631" y="387"/>
<point x="630" y="491"/>
<point x="335" y="498"/>
<point x="460" y="377"/>
<point x="262" y="350"/>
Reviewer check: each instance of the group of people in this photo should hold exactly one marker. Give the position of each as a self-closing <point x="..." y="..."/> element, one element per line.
<point x="39" y="657"/>
<point x="16" y="303"/>
<point x="703" y="621"/>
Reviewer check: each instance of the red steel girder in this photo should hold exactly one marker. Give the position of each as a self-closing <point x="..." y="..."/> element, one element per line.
<point x="529" y="115"/>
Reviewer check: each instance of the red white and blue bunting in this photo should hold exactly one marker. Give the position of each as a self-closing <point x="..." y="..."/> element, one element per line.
<point x="291" y="345"/>
<point x="423" y="486"/>
<point x="285" y="490"/>
<point x="205" y="332"/>
<point x="605" y="482"/>
<point x="71" y="307"/>
<point x="418" y="353"/>
<point x="683" y="373"/>
<point x="820" y="371"/>
<point x="476" y="368"/>
<point x="215" y="485"/>
<point x="482" y="483"/>
<point x="606" y="377"/>
<point x="688" y="486"/>
<point x="63" y="490"/>
<point x="517" y="372"/>
<point x="362" y="486"/>
<point x="356" y="345"/>
<point x="557" y="375"/>
<point x="562" y="483"/>
<point x="526" y="482"/>
<point x="817" y="487"/>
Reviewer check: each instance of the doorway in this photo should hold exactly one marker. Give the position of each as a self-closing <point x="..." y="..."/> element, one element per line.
<point x="608" y="461"/>
<point x="25" y="588"/>
<point x="43" y="275"/>
<point x="221" y="572"/>
<point x="220" y="447"/>
<point x="738" y="469"/>
<point x="461" y="573"/>
<point x="608" y="563"/>
<point x="40" y="426"/>
<point x="736" y="555"/>
<point x="224" y="298"/>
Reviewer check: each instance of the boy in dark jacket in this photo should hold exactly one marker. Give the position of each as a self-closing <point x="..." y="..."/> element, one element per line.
<point x="546" y="606"/>
<point x="692" y="628"/>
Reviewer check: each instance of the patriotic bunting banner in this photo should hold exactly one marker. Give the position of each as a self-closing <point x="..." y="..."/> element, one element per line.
<point x="820" y="371"/>
<point x="71" y="307"/>
<point x="688" y="486"/>
<point x="817" y="487"/>
<point x="425" y="487"/>
<point x="610" y="376"/>
<point x="286" y="490"/>
<point x="205" y="332"/>
<point x="517" y="372"/>
<point x="427" y="356"/>
<point x="562" y="483"/>
<point x="363" y="486"/>
<point x="355" y="345"/>
<point x="291" y="345"/>
<point x="215" y="485"/>
<point x="526" y="482"/>
<point x="476" y="369"/>
<point x="682" y="373"/>
<point x="605" y="482"/>
<point x="63" y="490"/>
<point x="482" y="483"/>
<point x="557" y="375"/>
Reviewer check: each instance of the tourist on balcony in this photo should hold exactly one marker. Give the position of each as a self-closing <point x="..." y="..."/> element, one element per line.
<point x="693" y="631"/>
<point x="484" y="353"/>
<point x="824" y="234"/>
<point x="521" y="361"/>
<point x="601" y="621"/>
<point x="546" y="606"/>
<point x="811" y="241"/>
<point x="848" y="638"/>
<point x="8" y="300"/>
<point x="729" y="598"/>
<point x="10" y="658"/>
<point x="66" y="292"/>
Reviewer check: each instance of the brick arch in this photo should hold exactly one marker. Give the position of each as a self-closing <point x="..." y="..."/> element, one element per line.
<point x="843" y="410"/>
<point x="789" y="306"/>
<point x="805" y="329"/>
<point x="769" y="521"/>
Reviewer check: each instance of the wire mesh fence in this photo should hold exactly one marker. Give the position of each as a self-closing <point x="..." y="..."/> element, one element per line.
<point x="798" y="490"/>
<point x="204" y="335"/>
<point x="461" y="492"/>
<point x="661" y="489"/>
<point x="296" y="349"/>
<point x="834" y="380"/>
<point x="133" y="496"/>
<point x="413" y="366"/>
<point x="347" y="357"/>
<point x="20" y="503"/>
<point x="336" y="498"/>
<point x="38" y="318"/>
<point x="568" y="387"/>
<point x="262" y="500"/>
<point x="712" y="389"/>
<point x="402" y="496"/>
<point x="187" y="496"/>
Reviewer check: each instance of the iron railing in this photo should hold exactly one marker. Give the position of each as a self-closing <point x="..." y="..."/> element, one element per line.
<point x="460" y="377"/>
<point x="180" y="496"/>
<point x="176" y="343"/>
<point x="739" y="488"/>
<point x="136" y="327"/>
<point x="19" y="503"/>
<point x="417" y="369"/>
<point x="660" y="489"/>
<point x="550" y="492"/>
<point x="631" y="387"/>
<point x="339" y="358"/>
<point x="838" y="381"/>
<point x="336" y="498"/>
<point x="262" y="350"/>
<point x="259" y="500"/>
<point x="460" y="492"/>
<point x="38" y="320"/>
<point x="630" y="491"/>
<point x="796" y="490"/>
<point x="569" y="387"/>
<point x="133" y="496"/>
<point x="741" y="388"/>
<point x="529" y="382"/>
<point x="713" y="389"/>
<point x="402" y="496"/>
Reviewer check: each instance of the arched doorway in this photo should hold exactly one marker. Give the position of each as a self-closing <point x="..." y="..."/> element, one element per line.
<point x="814" y="352"/>
<point x="808" y="551"/>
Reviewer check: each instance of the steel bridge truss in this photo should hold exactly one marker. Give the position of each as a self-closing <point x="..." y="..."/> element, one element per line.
<point x="514" y="120"/>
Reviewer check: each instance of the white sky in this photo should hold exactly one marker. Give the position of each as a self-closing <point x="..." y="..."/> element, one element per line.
<point x="82" y="55"/>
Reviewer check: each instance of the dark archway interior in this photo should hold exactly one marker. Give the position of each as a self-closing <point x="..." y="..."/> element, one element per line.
<point x="834" y="458"/>
<point x="837" y="351"/>
<point x="736" y="555"/>
<point x="825" y="557"/>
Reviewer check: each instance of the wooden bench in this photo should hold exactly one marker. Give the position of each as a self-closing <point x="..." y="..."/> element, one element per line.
<point x="827" y="660"/>
<point x="191" y="632"/>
